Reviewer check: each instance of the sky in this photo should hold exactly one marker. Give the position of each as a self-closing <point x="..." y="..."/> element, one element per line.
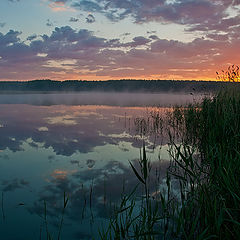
<point x="118" y="39"/>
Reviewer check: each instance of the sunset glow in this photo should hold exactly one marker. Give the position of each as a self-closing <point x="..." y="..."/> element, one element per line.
<point x="118" y="39"/>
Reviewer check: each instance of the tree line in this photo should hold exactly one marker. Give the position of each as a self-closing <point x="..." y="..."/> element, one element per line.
<point x="124" y="85"/>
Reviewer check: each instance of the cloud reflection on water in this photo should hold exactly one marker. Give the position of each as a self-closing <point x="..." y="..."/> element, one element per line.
<point x="72" y="149"/>
<point x="66" y="129"/>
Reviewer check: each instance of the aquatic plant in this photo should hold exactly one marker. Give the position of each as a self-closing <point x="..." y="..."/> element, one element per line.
<point x="231" y="74"/>
<point x="204" y="145"/>
<point x="49" y="235"/>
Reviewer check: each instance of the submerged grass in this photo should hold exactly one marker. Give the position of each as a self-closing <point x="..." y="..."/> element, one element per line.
<point x="204" y="146"/>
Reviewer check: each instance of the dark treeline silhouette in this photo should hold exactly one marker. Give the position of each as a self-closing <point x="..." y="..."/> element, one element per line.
<point x="47" y="85"/>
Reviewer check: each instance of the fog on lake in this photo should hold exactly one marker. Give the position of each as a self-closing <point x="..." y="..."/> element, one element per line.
<point x="78" y="144"/>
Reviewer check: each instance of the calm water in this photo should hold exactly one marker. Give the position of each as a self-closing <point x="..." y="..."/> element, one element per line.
<point x="82" y="150"/>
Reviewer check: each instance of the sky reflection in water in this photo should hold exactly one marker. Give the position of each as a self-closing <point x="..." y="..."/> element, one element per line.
<point x="48" y="150"/>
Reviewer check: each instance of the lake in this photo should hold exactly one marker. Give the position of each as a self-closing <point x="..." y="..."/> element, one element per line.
<point x="77" y="145"/>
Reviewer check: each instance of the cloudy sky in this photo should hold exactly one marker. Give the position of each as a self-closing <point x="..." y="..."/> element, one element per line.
<point x="114" y="39"/>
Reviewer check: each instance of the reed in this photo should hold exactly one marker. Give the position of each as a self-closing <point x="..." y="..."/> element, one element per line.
<point x="48" y="234"/>
<point x="204" y="147"/>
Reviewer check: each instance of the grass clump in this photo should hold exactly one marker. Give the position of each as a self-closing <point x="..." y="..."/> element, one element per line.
<point x="219" y="145"/>
<point x="204" y="145"/>
<point x="207" y="166"/>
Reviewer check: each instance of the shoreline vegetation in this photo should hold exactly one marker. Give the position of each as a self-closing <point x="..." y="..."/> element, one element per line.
<point x="199" y="196"/>
<point x="125" y="85"/>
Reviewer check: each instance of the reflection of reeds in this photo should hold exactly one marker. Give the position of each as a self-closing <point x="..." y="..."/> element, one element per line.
<point x="84" y="202"/>
<point x="2" y="207"/>
<point x="65" y="202"/>
<point x="49" y="235"/>
<point x="152" y="125"/>
<point x="90" y="201"/>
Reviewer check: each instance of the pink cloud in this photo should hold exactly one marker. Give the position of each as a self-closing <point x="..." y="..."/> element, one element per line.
<point x="59" y="6"/>
<point x="70" y="54"/>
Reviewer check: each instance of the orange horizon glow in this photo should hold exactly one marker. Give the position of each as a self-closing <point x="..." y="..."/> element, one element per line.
<point x="58" y="40"/>
<point x="74" y="77"/>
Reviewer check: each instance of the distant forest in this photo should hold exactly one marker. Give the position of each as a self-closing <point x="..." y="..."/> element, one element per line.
<point x="113" y="85"/>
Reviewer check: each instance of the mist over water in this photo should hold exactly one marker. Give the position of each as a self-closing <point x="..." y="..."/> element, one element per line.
<point x="75" y="143"/>
<point x="102" y="98"/>
<point x="48" y="150"/>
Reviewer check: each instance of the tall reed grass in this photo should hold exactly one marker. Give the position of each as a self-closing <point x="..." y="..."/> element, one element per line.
<point x="204" y="148"/>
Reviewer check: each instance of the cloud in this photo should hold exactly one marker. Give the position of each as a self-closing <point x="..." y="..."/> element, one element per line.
<point x="2" y="24"/>
<point x="32" y="37"/>
<point x="14" y="184"/>
<point x="90" y="163"/>
<point x="154" y="37"/>
<point x="69" y="54"/>
<point x="90" y="18"/>
<point x="218" y="37"/>
<point x="138" y="41"/>
<point x="199" y="15"/>
<point x="62" y="136"/>
<point x="125" y="34"/>
<point x="59" y="2"/>
<point x="87" y="6"/>
<point x="59" y="5"/>
<point x="9" y="38"/>
<point x="224" y="25"/>
<point x="49" y="23"/>
<point x="73" y="19"/>
<point x="181" y="11"/>
<point x="103" y="194"/>
<point x="151" y="32"/>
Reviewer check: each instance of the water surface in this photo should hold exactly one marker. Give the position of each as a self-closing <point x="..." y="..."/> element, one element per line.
<point x="83" y="151"/>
